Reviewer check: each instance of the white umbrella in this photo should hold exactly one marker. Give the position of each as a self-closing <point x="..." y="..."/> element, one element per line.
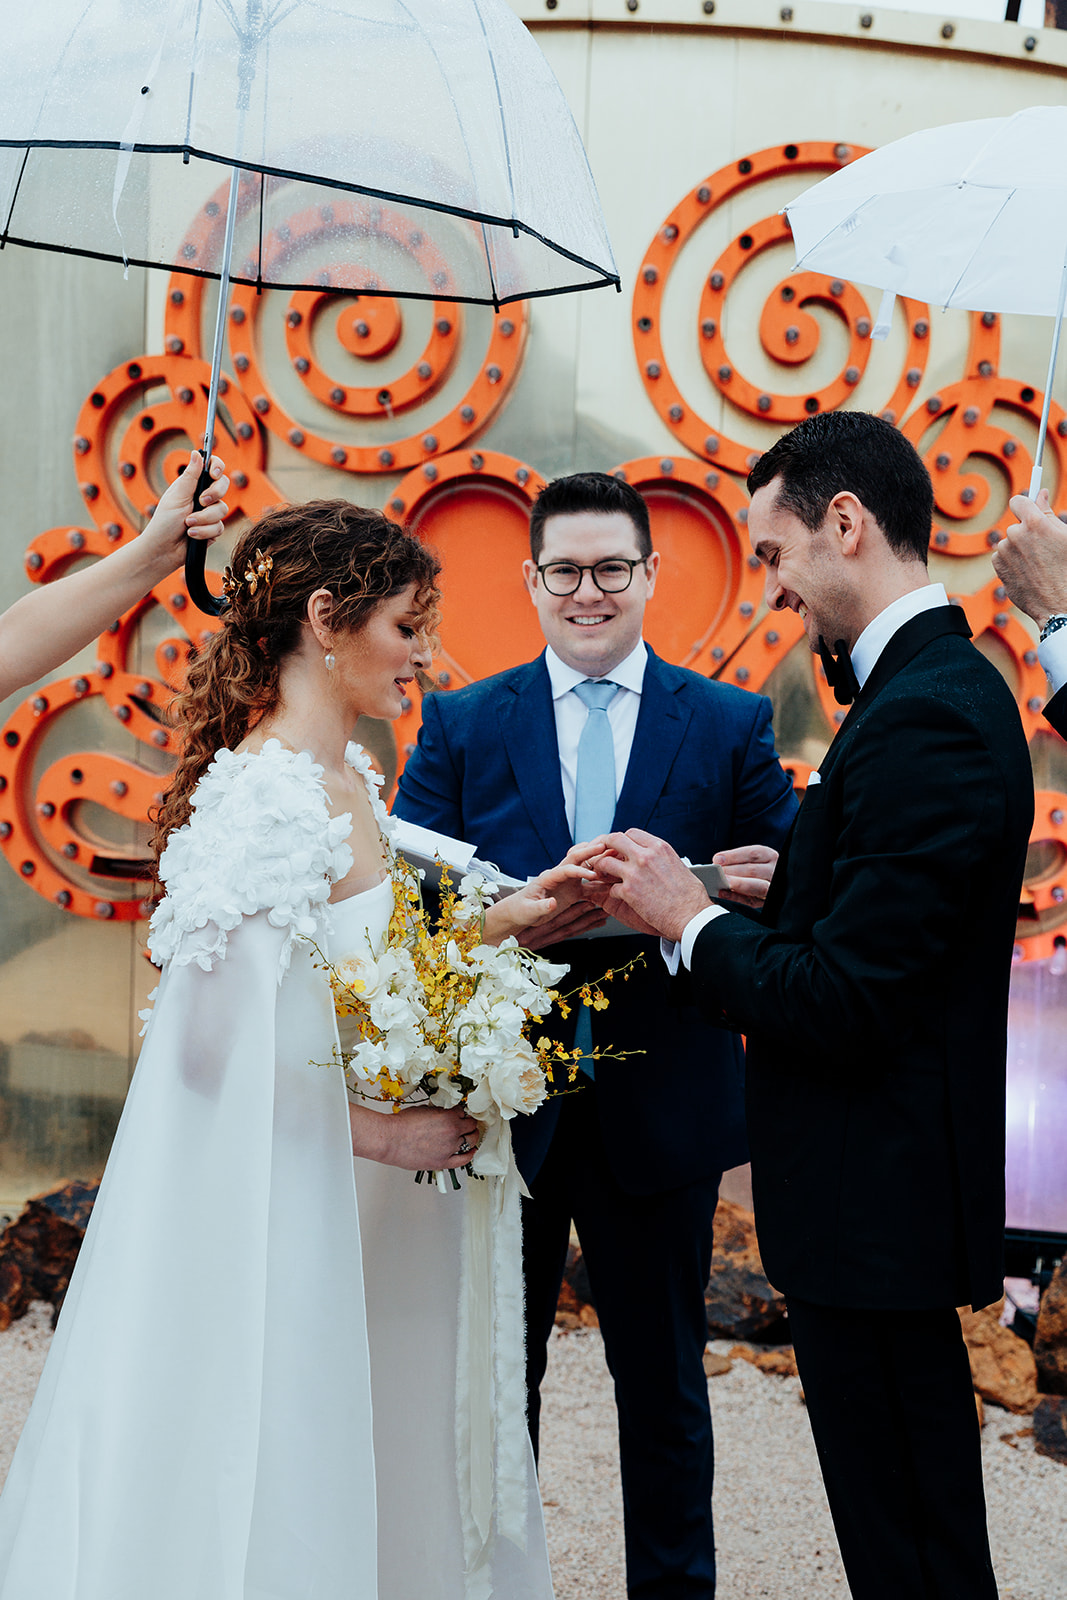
<point x="972" y="215"/>
<point x="115" y="116"/>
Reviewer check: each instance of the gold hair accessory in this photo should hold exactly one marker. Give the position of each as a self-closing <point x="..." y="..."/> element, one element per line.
<point x="255" y="574"/>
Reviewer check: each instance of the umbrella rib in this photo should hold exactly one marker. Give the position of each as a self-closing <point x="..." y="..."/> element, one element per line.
<point x="820" y="242"/>
<point x="992" y="223"/>
<point x="14" y="199"/>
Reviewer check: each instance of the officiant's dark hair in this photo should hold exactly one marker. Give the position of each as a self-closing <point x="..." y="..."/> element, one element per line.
<point x="854" y="452"/>
<point x="360" y="556"/>
<point x="598" y="492"/>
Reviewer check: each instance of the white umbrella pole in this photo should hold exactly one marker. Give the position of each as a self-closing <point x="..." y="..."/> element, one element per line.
<point x="196" y="549"/>
<point x="1035" y="478"/>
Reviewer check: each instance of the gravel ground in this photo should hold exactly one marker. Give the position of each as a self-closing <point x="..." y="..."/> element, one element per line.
<point x="773" y="1526"/>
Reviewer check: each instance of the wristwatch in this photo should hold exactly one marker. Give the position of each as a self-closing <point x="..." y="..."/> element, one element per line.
<point x="1053" y="625"/>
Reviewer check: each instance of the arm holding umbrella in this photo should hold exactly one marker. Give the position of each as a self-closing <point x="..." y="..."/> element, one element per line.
<point x="1031" y="563"/>
<point x="46" y="627"/>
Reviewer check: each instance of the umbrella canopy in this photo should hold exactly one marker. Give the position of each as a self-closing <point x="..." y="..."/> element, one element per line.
<point x="972" y="215"/>
<point x="114" y="116"/>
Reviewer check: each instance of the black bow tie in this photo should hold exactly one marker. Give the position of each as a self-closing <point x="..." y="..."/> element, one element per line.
<point x="840" y="673"/>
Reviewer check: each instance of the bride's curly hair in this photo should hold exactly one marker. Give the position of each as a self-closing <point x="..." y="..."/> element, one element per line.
<point x="359" y="555"/>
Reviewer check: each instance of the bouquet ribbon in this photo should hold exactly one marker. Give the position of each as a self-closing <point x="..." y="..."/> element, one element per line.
<point x="492" y="1444"/>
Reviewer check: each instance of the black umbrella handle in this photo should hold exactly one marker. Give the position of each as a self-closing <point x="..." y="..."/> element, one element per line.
<point x="196" y="559"/>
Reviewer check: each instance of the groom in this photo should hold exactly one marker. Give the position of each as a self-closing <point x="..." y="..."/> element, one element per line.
<point x="599" y="732"/>
<point x="874" y="995"/>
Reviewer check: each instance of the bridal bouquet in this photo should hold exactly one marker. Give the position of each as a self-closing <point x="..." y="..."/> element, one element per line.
<point x="439" y="1016"/>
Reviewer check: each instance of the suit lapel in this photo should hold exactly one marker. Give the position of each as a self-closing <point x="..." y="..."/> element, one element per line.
<point x="528" y="731"/>
<point x="661" y="726"/>
<point x="905" y="644"/>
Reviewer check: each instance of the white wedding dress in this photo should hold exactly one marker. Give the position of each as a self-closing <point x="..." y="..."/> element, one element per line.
<point x="243" y="1400"/>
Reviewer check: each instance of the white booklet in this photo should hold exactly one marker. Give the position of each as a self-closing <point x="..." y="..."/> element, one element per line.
<point x="430" y="851"/>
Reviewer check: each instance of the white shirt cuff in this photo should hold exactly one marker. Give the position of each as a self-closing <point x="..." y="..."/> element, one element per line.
<point x="1053" y="657"/>
<point x="680" y="953"/>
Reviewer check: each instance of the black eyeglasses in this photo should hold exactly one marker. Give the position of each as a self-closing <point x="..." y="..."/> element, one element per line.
<point x="610" y="577"/>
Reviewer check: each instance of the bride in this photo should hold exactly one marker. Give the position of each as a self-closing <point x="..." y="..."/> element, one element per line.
<point x="251" y="1391"/>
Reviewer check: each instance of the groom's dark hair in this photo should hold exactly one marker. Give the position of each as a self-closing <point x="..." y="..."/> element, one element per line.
<point x="862" y="454"/>
<point x="598" y="492"/>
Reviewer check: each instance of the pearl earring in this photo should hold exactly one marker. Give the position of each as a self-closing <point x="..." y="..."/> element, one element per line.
<point x="329" y="660"/>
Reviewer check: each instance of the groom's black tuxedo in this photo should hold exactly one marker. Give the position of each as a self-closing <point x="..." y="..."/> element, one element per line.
<point x="1056" y="712"/>
<point x="874" y="995"/>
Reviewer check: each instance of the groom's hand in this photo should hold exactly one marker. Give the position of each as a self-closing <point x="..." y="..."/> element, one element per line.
<point x="647" y="885"/>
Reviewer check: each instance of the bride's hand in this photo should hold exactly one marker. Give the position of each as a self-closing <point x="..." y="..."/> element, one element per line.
<point x="551" y="908"/>
<point x="420" y="1139"/>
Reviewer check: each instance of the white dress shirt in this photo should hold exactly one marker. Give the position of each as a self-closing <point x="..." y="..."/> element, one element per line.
<point x="571" y="714"/>
<point x="1053" y="657"/>
<point x="865" y="652"/>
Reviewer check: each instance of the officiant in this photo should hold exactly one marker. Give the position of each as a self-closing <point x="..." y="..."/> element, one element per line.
<point x="600" y="733"/>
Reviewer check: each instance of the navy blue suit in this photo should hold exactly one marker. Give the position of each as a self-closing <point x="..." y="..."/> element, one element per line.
<point x="635" y="1158"/>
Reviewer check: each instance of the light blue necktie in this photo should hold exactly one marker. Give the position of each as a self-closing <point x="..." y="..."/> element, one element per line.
<point x="594" y="802"/>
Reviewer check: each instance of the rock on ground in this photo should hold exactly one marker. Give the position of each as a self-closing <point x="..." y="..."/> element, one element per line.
<point x="1050" y="1343"/>
<point x="1002" y="1365"/>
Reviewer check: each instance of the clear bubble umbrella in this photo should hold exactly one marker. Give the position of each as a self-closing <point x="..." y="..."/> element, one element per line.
<point x="116" y="116"/>
<point x="973" y="214"/>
